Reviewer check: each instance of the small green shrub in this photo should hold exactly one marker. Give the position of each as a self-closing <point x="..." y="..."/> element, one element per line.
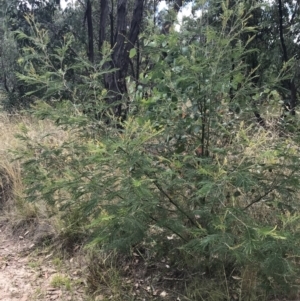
<point x="61" y="281"/>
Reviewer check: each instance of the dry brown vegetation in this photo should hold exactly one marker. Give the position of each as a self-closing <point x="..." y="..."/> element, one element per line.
<point x="15" y="210"/>
<point x="26" y="261"/>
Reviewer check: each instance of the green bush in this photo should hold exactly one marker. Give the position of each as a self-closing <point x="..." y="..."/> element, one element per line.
<point x="189" y="176"/>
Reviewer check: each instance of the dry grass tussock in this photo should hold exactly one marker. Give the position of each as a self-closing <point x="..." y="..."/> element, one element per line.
<point x="17" y="213"/>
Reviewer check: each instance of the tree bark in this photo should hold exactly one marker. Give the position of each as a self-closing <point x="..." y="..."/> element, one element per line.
<point x="177" y="5"/>
<point x="291" y="83"/>
<point x="111" y="16"/>
<point x="115" y="82"/>
<point x="88" y="16"/>
<point x="104" y="10"/>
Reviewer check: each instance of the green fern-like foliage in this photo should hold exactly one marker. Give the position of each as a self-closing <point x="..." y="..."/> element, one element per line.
<point x="186" y="176"/>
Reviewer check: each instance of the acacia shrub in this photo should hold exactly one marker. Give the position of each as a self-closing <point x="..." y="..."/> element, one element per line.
<point x="185" y="178"/>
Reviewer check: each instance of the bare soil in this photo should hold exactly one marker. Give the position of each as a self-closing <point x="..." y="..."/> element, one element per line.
<point x="28" y="274"/>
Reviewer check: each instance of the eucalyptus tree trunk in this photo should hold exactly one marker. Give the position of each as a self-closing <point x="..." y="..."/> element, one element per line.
<point x="88" y="16"/>
<point x="104" y="11"/>
<point x="177" y="5"/>
<point x="291" y="83"/>
<point x="124" y="40"/>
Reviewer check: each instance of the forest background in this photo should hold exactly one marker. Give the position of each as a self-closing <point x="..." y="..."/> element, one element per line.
<point x="174" y="143"/>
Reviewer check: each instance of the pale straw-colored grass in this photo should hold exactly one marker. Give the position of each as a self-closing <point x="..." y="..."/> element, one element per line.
<point x="15" y="209"/>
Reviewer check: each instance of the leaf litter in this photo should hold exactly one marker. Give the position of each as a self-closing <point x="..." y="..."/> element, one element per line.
<point x="27" y="276"/>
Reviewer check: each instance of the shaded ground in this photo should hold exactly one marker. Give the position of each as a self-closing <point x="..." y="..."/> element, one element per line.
<point x="29" y="276"/>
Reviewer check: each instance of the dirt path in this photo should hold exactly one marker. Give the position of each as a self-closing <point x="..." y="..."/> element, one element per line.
<point x="29" y="276"/>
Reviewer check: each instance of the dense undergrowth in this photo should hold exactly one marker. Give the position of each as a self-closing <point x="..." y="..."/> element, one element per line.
<point x="190" y="197"/>
<point x="235" y="238"/>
